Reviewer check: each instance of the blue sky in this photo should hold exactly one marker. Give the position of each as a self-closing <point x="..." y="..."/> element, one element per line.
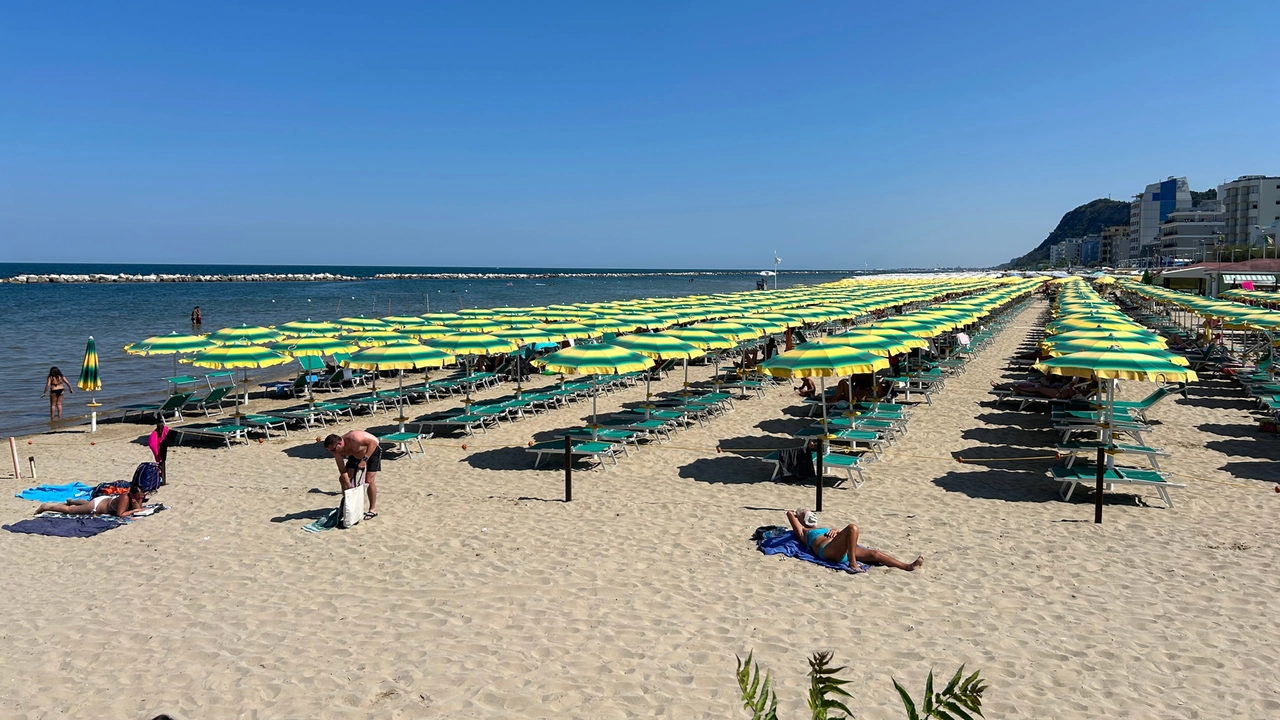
<point x="684" y="134"/>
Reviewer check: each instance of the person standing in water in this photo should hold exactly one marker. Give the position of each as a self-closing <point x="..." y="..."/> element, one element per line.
<point x="54" y="385"/>
<point x="197" y="318"/>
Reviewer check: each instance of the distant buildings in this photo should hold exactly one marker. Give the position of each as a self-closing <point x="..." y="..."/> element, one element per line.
<point x="1249" y="204"/>
<point x="1190" y="234"/>
<point x="1114" y="245"/>
<point x="1090" y="249"/>
<point x="1066" y="252"/>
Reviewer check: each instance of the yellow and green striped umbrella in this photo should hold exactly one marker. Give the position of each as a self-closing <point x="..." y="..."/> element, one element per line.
<point x="594" y="360"/>
<point x="476" y="312"/>
<point x="923" y="328"/>
<point x="911" y="341"/>
<point x="1114" y="364"/>
<point x="472" y="343"/>
<point x="399" y="356"/>
<point x="313" y="346"/>
<point x="227" y="357"/>
<point x="816" y="359"/>
<point x="440" y="317"/>
<point x="571" y="330"/>
<point x="474" y="324"/>
<point x="868" y="343"/>
<point x="733" y="331"/>
<point x="1144" y="336"/>
<point x="89" y="380"/>
<point x="605" y="324"/>
<point x="764" y="325"/>
<point x="374" y="338"/>
<point x="704" y="339"/>
<point x="658" y="345"/>
<point x="423" y="331"/>
<point x="245" y="335"/>
<point x="361" y="323"/>
<point x="1058" y="349"/>
<point x="308" y="327"/>
<point x="397" y="321"/>
<point x="173" y="343"/>
<point x="526" y="335"/>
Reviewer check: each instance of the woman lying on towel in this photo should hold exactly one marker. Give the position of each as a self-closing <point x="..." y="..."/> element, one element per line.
<point x="836" y="546"/>
<point x="117" y="505"/>
<point x="1055" y="387"/>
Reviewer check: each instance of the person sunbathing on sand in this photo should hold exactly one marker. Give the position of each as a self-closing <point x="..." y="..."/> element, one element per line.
<point x="836" y="547"/>
<point x="118" y="505"/>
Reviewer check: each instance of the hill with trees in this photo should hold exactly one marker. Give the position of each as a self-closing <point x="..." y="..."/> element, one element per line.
<point x="1087" y="219"/>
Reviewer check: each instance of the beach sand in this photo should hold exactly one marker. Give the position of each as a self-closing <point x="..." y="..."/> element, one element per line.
<point x="479" y="593"/>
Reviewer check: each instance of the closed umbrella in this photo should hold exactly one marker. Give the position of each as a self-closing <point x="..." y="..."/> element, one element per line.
<point x="89" y="380"/>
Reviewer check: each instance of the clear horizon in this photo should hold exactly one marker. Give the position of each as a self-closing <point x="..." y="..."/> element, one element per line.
<point x="663" y="136"/>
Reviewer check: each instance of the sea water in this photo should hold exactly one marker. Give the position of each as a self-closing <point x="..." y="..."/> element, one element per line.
<point x="47" y="324"/>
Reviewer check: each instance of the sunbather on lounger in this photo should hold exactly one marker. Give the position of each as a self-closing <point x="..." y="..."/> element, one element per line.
<point x="357" y="450"/>
<point x="117" y="505"/>
<point x="836" y="546"/>
<point x="1045" y="387"/>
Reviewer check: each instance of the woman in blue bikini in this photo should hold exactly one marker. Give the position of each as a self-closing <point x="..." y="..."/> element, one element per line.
<point x="836" y="547"/>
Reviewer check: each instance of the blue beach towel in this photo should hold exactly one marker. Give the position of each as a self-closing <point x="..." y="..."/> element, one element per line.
<point x="774" y="540"/>
<point x="56" y="493"/>
<point x="63" y="526"/>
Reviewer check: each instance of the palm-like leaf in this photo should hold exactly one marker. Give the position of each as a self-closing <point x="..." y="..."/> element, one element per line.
<point x="825" y="689"/>
<point x="960" y="700"/>
<point x="757" y="692"/>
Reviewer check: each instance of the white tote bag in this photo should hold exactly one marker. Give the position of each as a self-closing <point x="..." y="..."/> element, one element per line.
<point x="353" y="503"/>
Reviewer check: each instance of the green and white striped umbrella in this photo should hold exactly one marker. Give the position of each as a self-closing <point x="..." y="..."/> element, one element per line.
<point x="245" y="335"/>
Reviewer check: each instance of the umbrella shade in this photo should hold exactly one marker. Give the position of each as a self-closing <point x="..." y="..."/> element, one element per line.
<point x="703" y="339"/>
<point x="317" y="345"/>
<point x="368" y="338"/>
<point x="245" y="335"/>
<point x="470" y="343"/>
<point x="361" y="323"/>
<point x="657" y="345"/>
<point x="474" y="324"/>
<point x="594" y="360"/>
<point x="301" y="328"/>
<point x="821" y="360"/>
<point x="572" y="330"/>
<point x="400" y="356"/>
<point x="1109" y="364"/>
<point x="874" y="344"/>
<point x="733" y="331"/>
<point x="89" y="380"/>
<point x="170" y="344"/>
<point x="226" y="357"/>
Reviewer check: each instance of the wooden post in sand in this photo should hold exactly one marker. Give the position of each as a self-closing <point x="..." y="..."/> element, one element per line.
<point x="1097" y="493"/>
<point x="817" y="503"/>
<point x="13" y="450"/>
<point x="568" y="469"/>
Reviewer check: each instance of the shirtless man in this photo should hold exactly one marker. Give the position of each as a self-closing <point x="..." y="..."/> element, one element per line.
<point x="357" y="450"/>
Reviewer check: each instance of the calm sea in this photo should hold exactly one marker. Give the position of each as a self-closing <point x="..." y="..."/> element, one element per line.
<point x="47" y="324"/>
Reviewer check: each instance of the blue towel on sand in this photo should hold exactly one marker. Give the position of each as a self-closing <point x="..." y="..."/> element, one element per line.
<point x="781" y="541"/>
<point x="57" y="493"/>
<point x="63" y="526"/>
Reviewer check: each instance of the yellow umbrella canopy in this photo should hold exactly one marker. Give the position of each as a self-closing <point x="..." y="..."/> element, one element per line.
<point x="733" y="331"/>
<point x="570" y="330"/>
<point x="361" y="323"/>
<point x="373" y="338"/>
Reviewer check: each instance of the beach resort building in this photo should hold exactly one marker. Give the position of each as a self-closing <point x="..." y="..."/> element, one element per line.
<point x="1066" y="252"/>
<point x="1090" y="250"/>
<point x="1250" y="203"/>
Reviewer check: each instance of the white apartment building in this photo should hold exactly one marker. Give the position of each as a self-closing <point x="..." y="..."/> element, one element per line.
<point x="1191" y="234"/>
<point x="1249" y="202"/>
<point x="1066" y="252"/>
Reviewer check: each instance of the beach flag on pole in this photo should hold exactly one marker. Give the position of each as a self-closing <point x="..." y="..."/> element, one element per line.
<point x="90" y="381"/>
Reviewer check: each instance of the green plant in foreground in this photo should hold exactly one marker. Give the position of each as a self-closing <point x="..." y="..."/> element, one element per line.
<point x="957" y="701"/>
<point x="960" y="700"/>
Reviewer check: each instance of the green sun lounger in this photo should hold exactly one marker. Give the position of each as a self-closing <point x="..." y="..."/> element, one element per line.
<point x="595" y="450"/>
<point x="225" y="433"/>
<point x="173" y="406"/>
<point x="402" y="439"/>
<point x="211" y="402"/>
<point x="1074" y="477"/>
<point x="851" y="464"/>
<point x="1089" y="448"/>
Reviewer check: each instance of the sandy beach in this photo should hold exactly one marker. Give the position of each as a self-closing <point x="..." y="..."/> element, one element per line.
<point x="479" y="593"/>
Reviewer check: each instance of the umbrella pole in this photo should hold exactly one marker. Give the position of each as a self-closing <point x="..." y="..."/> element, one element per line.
<point x="595" y="390"/>
<point x="400" y="402"/>
<point x="1105" y="459"/>
<point x="647" y="396"/>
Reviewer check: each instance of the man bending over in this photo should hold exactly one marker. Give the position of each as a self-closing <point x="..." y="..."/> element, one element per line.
<point x="357" y="450"/>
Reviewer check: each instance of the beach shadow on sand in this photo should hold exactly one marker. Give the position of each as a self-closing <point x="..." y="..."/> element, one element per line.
<point x="1001" y="484"/>
<point x="780" y="426"/>
<point x="739" y="470"/>
<point x="1234" y="431"/>
<point x="1264" y="470"/>
<point x="303" y="515"/>
<point x="1247" y="447"/>
<point x="1009" y="436"/>
<point x="757" y="445"/>
<point x="310" y="450"/>
<point x="510" y="458"/>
